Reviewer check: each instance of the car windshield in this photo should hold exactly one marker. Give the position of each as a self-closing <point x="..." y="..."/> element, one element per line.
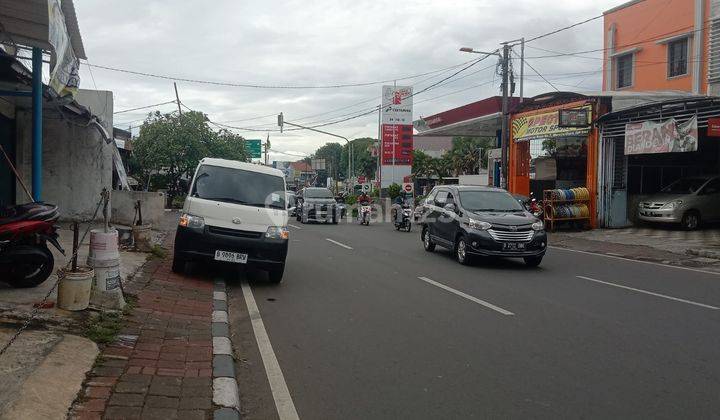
<point x="685" y="186"/>
<point x="239" y="186"/>
<point x="489" y="201"/>
<point x="318" y="193"/>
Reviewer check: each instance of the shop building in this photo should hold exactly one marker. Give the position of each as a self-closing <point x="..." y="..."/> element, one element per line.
<point x="555" y="144"/>
<point x="647" y="147"/>
<point x="662" y="45"/>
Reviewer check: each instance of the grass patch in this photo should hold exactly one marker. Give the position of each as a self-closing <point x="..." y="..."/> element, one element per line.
<point x="104" y="327"/>
<point x="158" y="251"/>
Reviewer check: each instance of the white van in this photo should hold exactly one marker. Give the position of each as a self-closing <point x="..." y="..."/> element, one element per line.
<point x="235" y="213"/>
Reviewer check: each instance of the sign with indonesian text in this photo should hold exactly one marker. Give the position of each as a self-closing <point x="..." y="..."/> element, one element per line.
<point x="661" y="137"/>
<point x="545" y="125"/>
<point x="397" y="143"/>
<point x="397" y="105"/>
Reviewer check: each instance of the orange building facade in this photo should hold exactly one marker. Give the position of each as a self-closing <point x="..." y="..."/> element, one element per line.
<point x="653" y="45"/>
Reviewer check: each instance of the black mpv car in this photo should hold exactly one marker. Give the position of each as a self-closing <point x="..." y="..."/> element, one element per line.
<point x="481" y="221"/>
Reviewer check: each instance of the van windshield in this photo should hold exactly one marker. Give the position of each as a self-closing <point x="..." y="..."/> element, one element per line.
<point x="239" y="186"/>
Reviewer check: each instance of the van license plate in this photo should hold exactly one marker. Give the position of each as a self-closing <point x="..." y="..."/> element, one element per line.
<point x="233" y="257"/>
<point x="513" y="246"/>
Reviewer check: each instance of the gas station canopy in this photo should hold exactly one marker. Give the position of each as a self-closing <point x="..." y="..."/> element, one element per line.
<point x="477" y="119"/>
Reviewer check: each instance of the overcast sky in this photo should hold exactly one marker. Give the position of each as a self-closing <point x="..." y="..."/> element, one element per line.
<point x="324" y="42"/>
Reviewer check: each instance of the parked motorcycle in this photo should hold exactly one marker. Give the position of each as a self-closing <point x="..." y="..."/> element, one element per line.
<point x="404" y="221"/>
<point x="365" y="212"/>
<point x="25" y="230"/>
<point x="531" y="204"/>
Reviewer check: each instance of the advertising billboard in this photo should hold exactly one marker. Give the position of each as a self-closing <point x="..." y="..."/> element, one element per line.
<point x="396" y="133"/>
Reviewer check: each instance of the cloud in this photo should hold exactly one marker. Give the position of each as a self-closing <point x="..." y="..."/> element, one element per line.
<point x="300" y="42"/>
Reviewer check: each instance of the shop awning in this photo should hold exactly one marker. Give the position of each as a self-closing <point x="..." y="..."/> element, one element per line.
<point x="682" y="109"/>
<point x="485" y="126"/>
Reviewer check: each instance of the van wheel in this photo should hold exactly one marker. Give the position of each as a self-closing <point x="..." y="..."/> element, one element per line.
<point x="178" y="264"/>
<point x="276" y="275"/>
<point x="427" y="242"/>
<point x="461" y="251"/>
<point x="690" y="220"/>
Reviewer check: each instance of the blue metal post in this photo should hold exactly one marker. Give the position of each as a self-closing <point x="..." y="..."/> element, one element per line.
<point x="37" y="96"/>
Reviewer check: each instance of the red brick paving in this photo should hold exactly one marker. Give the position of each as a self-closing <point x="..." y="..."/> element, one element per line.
<point x="172" y="350"/>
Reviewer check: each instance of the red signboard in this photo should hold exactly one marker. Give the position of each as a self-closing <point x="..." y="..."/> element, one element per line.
<point x="361" y="179"/>
<point x="397" y="144"/>
<point x="713" y="129"/>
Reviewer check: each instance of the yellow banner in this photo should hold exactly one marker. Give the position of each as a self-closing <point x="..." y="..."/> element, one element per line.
<point x="542" y="126"/>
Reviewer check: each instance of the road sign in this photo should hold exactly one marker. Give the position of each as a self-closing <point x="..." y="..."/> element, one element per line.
<point x="408" y="187"/>
<point x="254" y="146"/>
<point x="361" y="179"/>
<point x="366" y="187"/>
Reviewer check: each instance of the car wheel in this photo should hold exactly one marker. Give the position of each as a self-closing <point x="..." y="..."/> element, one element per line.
<point x="461" y="251"/>
<point x="690" y="220"/>
<point x="178" y="264"/>
<point x="533" y="261"/>
<point x="427" y="242"/>
<point x="276" y="274"/>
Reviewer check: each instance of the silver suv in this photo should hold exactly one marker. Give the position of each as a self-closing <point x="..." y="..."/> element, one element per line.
<point x="688" y="201"/>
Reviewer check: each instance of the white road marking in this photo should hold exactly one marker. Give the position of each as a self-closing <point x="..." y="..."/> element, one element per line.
<point x="283" y="401"/>
<point x="293" y="226"/>
<point x="338" y="243"/>
<point x="702" y="305"/>
<point x="466" y="296"/>
<point x="617" y="257"/>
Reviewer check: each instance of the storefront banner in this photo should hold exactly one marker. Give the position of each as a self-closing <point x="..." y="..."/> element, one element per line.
<point x="545" y="125"/>
<point x="397" y="105"/>
<point x="664" y="137"/>
<point x="64" y="65"/>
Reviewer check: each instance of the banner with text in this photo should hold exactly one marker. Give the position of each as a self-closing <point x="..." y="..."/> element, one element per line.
<point x="661" y="137"/>
<point x="545" y="125"/>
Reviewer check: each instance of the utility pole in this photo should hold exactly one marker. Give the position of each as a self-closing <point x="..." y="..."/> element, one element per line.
<point x="504" y="138"/>
<point x="282" y="121"/>
<point x="267" y="147"/>
<point x="522" y="66"/>
<point x="177" y="98"/>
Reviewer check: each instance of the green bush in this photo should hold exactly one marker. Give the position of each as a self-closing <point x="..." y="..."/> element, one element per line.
<point x="350" y="200"/>
<point x="394" y="191"/>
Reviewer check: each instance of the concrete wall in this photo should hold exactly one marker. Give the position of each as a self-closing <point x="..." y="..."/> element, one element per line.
<point x="123" y="206"/>
<point x="77" y="162"/>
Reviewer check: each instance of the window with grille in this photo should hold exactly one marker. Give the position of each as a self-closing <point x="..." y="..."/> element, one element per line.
<point x="714" y="53"/>
<point x="624" y="70"/>
<point x="678" y="58"/>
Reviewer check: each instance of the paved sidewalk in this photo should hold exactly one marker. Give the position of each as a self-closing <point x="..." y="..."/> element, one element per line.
<point x="160" y="366"/>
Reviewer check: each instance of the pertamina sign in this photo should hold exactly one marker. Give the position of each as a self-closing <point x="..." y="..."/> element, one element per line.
<point x="545" y="125"/>
<point x="397" y="105"/>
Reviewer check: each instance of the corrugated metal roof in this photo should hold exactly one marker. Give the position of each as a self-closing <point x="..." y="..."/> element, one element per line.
<point x="25" y="22"/>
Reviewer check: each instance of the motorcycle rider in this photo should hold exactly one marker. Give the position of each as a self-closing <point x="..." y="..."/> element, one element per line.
<point x="364" y="199"/>
<point x="400" y="202"/>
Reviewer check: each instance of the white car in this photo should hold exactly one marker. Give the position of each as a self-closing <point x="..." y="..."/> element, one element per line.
<point x="235" y="213"/>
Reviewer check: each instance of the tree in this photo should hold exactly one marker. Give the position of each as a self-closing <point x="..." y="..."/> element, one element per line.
<point x="468" y="154"/>
<point x="332" y="153"/>
<point x="172" y="145"/>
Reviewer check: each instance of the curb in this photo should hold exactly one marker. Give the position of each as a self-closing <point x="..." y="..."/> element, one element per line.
<point x="225" y="388"/>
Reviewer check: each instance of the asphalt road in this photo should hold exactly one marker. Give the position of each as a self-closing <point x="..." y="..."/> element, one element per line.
<point x="372" y="326"/>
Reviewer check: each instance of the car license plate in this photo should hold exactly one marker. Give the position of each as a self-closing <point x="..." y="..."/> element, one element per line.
<point x="513" y="246"/>
<point x="233" y="257"/>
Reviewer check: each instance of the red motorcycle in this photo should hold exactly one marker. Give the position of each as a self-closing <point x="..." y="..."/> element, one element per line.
<point x="25" y="230"/>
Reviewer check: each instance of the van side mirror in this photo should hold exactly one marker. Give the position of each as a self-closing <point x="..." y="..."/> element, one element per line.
<point x="450" y="207"/>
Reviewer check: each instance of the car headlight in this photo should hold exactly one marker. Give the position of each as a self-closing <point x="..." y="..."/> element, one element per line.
<point x="672" y="205"/>
<point x="539" y="225"/>
<point x="277" y="232"/>
<point x="188" y="220"/>
<point x="479" y="225"/>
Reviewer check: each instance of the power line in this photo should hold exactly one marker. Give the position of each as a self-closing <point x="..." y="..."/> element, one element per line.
<point x="538" y="73"/>
<point x="563" y="29"/>
<point x="144" y="107"/>
<point x="262" y="86"/>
